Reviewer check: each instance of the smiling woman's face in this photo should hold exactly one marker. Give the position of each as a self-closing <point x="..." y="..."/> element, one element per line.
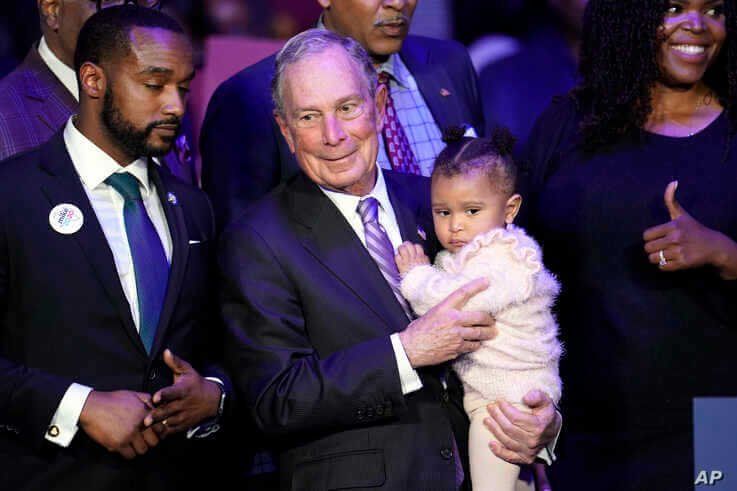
<point x="693" y="33"/>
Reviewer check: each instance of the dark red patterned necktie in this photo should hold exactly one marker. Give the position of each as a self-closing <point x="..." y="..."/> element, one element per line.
<point x="400" y="154"/>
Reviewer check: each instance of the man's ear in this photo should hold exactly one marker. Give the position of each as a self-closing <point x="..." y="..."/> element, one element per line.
<point x="93" y="80"/>
<point x="284" y="128"/>
<point x="380" y="100"/>
<point x="514" y="203"/>
<point x="324" y="3"/>
<point x="50" y="13"/>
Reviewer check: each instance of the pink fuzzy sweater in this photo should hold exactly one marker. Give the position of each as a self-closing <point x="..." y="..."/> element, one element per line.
<point x="525" y="353"/>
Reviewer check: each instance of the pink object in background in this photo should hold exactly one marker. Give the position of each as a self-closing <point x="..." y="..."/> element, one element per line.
<point x="224" y="56"/>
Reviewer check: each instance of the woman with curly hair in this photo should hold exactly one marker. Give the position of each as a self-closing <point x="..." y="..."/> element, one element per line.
<point x="632" y="191"/>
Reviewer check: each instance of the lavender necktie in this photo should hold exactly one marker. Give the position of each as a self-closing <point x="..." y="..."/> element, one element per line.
<point x="382" y="252"/>
<point x="380" y="248"/>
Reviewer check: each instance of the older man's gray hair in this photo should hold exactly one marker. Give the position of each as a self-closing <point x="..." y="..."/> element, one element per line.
<point x="315" y="41"/>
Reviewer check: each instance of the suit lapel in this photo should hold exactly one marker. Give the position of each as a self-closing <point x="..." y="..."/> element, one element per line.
<point x="62" y="185"/>
<point x="405" y="214"/>
<point x="180" y="248"/>
<point x="433" y="81"/>
<point x="332" y="241"/>
<point x="52" y="102"/>
<point x="413" y="214"/>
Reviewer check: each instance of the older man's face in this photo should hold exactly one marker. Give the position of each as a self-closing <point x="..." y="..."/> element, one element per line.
<point x="331" y="122"/>
<point x="380" y="26"/>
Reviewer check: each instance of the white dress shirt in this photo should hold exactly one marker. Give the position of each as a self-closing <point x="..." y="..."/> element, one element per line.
<point x="347" y="204"/>
<point x="64" y="73"/>
<point x="93" y="166"/>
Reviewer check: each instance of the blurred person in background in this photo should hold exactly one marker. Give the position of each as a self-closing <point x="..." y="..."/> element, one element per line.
<point x="517" y="88"/>
<point x="433" y="18"/>
<point x="37" y="98"/>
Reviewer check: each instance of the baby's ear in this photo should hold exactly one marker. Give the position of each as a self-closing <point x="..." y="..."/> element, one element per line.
<point x="511" y="208"/>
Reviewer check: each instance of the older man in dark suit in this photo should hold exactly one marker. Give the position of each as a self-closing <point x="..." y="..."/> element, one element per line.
<point x="322" y="346"/>
<point x="37" y="98"/>
<point x="431" y="82"/>
<point x="105" y="263"/>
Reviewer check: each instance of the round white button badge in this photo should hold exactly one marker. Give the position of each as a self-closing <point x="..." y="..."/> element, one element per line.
<point x="66" y="218"/>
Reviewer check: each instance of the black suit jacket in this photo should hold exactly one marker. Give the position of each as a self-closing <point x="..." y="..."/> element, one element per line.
<point x="65" y="318"/>
<point x="244" y="155"/>
<point x="308" y="319"/>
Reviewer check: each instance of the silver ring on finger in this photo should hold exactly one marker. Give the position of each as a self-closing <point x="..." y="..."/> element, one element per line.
<point x="661" y="255"/>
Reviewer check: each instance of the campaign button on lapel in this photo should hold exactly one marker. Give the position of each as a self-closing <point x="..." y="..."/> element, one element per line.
<point x="66" y="218"/>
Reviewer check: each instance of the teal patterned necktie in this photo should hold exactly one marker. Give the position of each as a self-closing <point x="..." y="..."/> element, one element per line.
<point x="149" y="259"/>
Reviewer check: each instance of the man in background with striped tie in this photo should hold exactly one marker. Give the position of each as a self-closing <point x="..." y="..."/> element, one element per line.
<point x="431" y="85"/>
<point x="351" y="389"/>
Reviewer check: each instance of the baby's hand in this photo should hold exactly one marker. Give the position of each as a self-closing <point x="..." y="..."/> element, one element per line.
<point x="410" y="255"/>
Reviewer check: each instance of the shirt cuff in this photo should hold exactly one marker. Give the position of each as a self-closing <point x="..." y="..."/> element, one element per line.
<point x="408" y="376"/>
<point x="63" y="424"/>
<point x="212" y="426"/>
<point x="547" y="454"/>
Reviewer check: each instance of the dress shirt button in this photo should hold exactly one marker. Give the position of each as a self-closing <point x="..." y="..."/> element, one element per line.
<point x="359" y="414"/>
<point x="53" y="431"/>
<point x="446" y="453"/>
<point x="380" y="410"/>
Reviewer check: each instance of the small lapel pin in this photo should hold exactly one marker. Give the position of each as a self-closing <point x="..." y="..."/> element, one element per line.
<point x="470" y="131"/>
<point x="66" y="218"/>
<point x="421" y="233"/>
<point x="171" y="198"/>
<point x="444" y="92"/>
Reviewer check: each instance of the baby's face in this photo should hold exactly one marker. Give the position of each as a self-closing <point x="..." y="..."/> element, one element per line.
<point x="465" y="206"/>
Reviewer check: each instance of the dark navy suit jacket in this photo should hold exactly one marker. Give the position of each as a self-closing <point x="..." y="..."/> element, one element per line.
<point x="244" y="155"/>
<point x="64" y="318"/>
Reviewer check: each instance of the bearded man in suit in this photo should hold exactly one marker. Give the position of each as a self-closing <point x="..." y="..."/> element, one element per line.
<point x="105" y="268"/>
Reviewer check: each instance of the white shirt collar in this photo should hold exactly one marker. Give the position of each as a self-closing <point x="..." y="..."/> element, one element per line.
<point x="348" y="203"/>
<point x="65" y="74"/>
<point x="94" y="165"/>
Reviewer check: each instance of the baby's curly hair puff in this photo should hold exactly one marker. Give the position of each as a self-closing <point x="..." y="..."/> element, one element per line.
<point x="493" y="156"/>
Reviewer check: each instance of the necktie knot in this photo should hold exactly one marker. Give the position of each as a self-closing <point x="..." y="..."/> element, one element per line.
<point x="384" y="78"/>
<point x="126" y="184"/>
<point x="369" y="210"/>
